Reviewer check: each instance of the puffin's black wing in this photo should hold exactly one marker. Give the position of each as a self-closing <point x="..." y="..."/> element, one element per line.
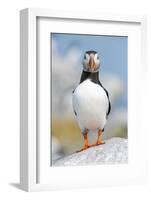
<point x="107" y="94"/>
<point x="74" y="110"/>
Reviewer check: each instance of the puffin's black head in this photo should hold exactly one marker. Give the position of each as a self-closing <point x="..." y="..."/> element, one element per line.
<point x="91" y="61"/>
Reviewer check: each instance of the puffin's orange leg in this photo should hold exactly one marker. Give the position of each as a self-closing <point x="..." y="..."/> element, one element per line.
<point x="99" y="140"/>
<point x="86" y="145"/>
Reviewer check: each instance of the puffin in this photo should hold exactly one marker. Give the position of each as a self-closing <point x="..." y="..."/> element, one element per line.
<point x="90" y="100"/>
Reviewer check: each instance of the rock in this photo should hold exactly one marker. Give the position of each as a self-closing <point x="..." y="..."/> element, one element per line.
<point x="114" y="151"/>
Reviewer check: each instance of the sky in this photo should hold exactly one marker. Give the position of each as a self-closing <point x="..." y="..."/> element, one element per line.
<point x="111" y="49"/>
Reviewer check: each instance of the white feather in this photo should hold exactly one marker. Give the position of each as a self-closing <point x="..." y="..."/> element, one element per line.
<point x="90" y="103"/>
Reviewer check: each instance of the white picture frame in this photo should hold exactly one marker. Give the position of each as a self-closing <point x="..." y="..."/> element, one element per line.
<point x="35" y="172"/>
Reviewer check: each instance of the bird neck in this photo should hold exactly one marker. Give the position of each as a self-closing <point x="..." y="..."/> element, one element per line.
<point x="89" y="75"/>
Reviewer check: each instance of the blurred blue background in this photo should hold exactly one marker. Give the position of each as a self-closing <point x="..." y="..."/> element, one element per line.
<point x="67" y="55"/>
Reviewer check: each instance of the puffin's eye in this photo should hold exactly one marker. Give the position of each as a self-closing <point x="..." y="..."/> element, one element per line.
<point x="85" y="56"/>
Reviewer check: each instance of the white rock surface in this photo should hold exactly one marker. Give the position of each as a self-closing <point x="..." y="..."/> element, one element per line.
<point x="114" y="151"/>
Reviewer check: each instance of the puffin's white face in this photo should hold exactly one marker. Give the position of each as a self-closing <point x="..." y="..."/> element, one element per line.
<point x="91" y="61"/>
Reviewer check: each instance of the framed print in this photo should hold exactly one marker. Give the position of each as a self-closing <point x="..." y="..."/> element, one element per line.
<point x="81" y="80"/>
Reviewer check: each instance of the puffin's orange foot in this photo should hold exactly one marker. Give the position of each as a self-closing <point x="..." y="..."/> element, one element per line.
<point x="84" y="148"/>
<point x="100" y="142"/>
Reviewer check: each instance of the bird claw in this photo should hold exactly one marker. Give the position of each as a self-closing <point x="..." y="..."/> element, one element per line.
<point x="84" y="148"/>
<point x="97" y="143"/>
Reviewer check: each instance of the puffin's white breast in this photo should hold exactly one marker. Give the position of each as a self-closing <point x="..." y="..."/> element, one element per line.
<point x="90" y="103"/>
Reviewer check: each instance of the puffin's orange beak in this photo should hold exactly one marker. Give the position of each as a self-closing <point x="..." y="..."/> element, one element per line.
<point x="92" y="64"/>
